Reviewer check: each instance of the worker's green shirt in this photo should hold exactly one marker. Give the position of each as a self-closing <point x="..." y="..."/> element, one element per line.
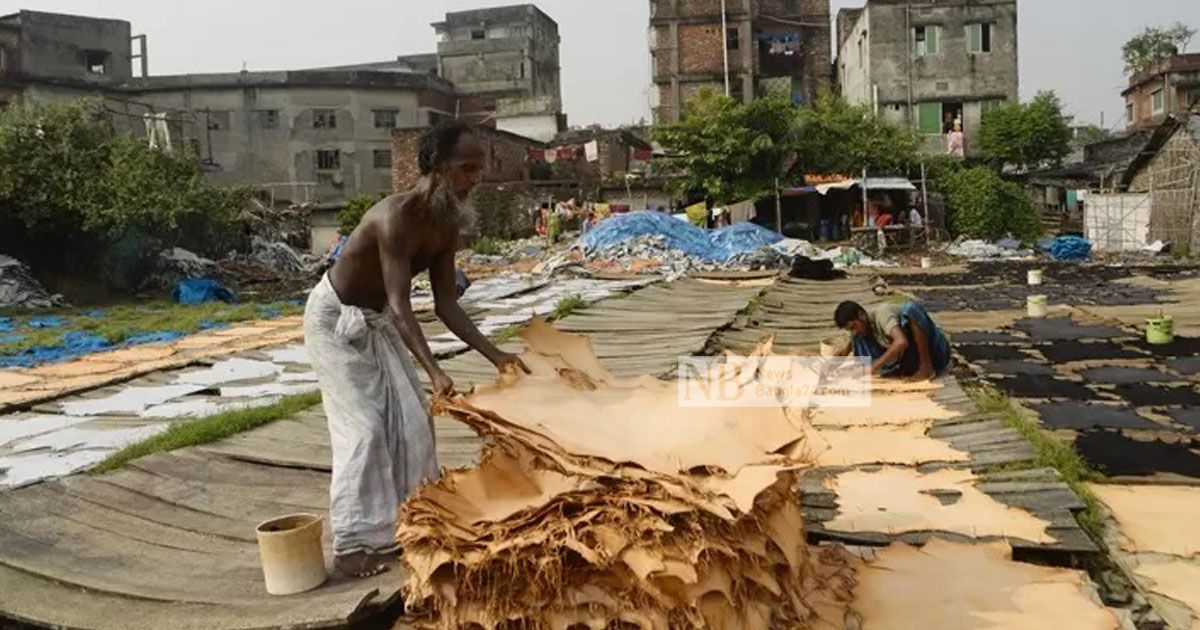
<point x="884" y="317"/>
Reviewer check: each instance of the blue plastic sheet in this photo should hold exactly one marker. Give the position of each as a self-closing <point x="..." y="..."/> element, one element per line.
<point x="1070" y="248"/>
<point x="151" y="337"/>
<point x="48" y="321"/>
<point x="6" y="324"/>
<point x="71" y="345"/>
<point x="208" y="324"/>
<point x="11" y="338"/>
<point x="97" y="314"/>
<point x="269" y="312"/>
<point x="201" y="290"/>
<point x="720" y="245"/>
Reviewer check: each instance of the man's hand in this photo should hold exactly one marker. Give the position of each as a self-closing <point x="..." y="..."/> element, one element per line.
<point x="506" y="362"/>
<point x="442" y="385"/>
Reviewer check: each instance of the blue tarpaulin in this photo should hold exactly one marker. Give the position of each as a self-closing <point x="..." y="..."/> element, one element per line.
<point x="6" y="324"/>
<point x="201" y="290"/>
<point x="72" y="344"/>
<point x="151" y="337"/>
<point x="721" y="244"/>
<point x="1070" y="248"/>
<point x="49" y="321"/>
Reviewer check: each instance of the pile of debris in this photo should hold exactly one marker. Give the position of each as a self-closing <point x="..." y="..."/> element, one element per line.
<point x="272" y="271"/>
<point x="975" y="249"/>
<point x="18" y="287"/>
<point x="687" y="520"/>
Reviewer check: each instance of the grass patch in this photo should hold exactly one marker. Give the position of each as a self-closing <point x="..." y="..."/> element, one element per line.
<point x="755" y="304"/>
<point x="506" y="334"/>
<point x="210" y="429"/>
<point x="1050" y="452"/>
<point x="123" y="321"/>
<point x="488" y="246"/>
<point x="568" y="305"/>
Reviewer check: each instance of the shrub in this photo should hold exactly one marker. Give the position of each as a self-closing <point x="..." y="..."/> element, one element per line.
<point x="982" y="205"/>
<point x="351" y="215"/>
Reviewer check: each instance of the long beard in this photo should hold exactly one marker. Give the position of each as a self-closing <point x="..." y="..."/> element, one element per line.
<point x="448" y="211"/>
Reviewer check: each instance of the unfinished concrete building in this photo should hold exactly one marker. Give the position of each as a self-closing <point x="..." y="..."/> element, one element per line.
<point x="1167" y="88"/>
<point x="929" y="64"/>
<point x="508" y="57"/>
<point x="759" y="47"/>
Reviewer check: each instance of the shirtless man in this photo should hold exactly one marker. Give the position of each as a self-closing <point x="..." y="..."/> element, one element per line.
<point x="359" y="327"/>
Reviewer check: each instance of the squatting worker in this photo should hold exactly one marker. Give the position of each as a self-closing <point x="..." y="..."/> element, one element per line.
<point x="357" y="326"/>
<point x="902" y="340"/>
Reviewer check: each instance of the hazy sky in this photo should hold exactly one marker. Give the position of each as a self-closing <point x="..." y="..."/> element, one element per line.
<point x="1071" y="46"/>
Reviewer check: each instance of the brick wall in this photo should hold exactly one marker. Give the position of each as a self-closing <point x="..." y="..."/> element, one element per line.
<point x="504" y="156"/>
<point x="701" y="49"/>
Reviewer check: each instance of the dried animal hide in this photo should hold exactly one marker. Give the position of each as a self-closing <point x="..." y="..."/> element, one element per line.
<point x="600" y="503"/>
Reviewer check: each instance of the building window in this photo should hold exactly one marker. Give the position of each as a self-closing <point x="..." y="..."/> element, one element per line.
<point x="979" y="38"/>
<point x="268" y="118"/>
<point x="926" y="40"/>
<point x="385" y="118"/>
<point x="1157" y="102"/>
<point x="218" y="120"/>
<point x="478" y="35"/>
<point x="1129" y="112"/>
<point x="929" y="118"/>
<point x="96" y="61"/>
<point x="732" y="38"/>
<point x="382" y="158"/>
<point x="324" y="119"/>
<point x="329" y="159"/>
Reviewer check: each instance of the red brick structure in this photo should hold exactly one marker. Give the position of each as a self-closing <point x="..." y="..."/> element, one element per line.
<point x="775" y="47"/>
<point x="506" y="156"/>
<point x="1167" y="88"/>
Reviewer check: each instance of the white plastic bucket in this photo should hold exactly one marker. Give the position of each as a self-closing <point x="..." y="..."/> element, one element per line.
<point x="290" y="550"/>
<point x="830" y="346"/>
<point x="926" y="263"/>
<point x="1037" y="306"/>
<point x="1035" y="277"/>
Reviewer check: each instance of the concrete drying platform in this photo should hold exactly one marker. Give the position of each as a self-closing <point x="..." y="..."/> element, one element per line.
<point x="169" y="542"/>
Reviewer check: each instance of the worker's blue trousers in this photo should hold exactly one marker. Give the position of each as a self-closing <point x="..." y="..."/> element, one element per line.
<point x="911" y="314"/>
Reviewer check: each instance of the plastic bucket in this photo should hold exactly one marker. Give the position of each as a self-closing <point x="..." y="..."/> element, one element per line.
<point x="290" y="549"/>
<point x="1035" y="277"/>
<point x="1160" y="330"/>
<point x="1037" y="306"/>
<point x="926" y="263"/>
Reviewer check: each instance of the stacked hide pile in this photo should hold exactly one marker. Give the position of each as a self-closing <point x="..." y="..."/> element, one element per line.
<point x="601" y="503"/>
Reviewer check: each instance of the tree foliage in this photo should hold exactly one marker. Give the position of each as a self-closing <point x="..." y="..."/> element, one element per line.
<point x="982" y="205"/>
<point x="835" y="137"/>
<point x="73" y="193"/>
<point x="352" y="213"/>
<point x="729" y="150"/>
<point x="1026" y="134"/>
<point x="1155" y="44"/>
<point x="732" y="151"/>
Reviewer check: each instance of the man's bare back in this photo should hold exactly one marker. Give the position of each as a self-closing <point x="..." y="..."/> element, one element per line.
<point x="358" y="275"/>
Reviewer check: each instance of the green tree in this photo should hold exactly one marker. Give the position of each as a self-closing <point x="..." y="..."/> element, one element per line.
<point x="835" y="137"/>
<point x="1026" y="134"/>
<point x="73" y="193"/>
<point x="352" y="213"/>
<point x="982" y="205"/>
<point x="729" y="150"/>
<point x="1155" y="44"/>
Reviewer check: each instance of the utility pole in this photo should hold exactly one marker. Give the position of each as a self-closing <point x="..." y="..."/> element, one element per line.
<point x="725" y="45"/>
<point x="778" y="208"/>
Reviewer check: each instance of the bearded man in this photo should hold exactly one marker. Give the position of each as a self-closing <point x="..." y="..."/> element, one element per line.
<point x="358" y="324"/>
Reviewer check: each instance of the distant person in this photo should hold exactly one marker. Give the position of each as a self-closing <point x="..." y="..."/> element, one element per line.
<point x="915" y="220"/>
<point x="901" y="340"/>
<point x="956" y="142"/>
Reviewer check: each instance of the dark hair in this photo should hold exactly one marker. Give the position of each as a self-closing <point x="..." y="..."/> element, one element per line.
<point x="438" y="143"/>
<point x="847" y="312"/>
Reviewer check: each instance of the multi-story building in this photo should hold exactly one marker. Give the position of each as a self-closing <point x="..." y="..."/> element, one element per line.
<point x="1167" y="88"/>
<point x="929" y="64"/>
<point x="756" y="47"/>
<point x="508" y="57"/>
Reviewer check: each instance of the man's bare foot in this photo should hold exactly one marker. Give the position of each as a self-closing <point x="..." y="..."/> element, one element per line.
<point x="361" y="564"/>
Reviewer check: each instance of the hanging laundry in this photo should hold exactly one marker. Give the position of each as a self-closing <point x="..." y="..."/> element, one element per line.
<point x="741" y="212"/>
<point x="592" y="150"/>
<point x="551" y="156"/>
<point x="537" y="155"/>
<point x="641" y="155"/>
<point x="566" y="154"/>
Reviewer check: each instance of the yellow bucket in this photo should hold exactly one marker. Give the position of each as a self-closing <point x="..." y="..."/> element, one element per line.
<point x="1037" y="306"/>
<point x="1160" y="330"/>
<point x="290" y="550"/>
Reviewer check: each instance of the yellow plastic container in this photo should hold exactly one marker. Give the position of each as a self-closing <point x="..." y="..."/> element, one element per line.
<point x="1034" y="277"/>
<point x="290" y="550"/>
<point x="1037" y="306"/>
<point x="1160" y="330"/>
